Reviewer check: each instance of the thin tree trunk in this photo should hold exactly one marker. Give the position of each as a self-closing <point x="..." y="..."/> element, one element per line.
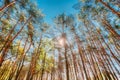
<point x="66" y="62"/>
<point x="110" y="8"/>
<point x="8" y="5"/>
<point x="8" y="44"/>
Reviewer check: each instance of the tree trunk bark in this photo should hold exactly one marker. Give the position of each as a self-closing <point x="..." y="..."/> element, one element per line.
<point x="110" y="8"/>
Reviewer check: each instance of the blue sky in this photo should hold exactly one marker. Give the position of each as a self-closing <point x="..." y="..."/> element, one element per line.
<point x="51" y="8"/>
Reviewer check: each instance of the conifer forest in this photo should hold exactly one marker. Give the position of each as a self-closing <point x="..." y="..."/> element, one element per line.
<point x="60" y="40"/>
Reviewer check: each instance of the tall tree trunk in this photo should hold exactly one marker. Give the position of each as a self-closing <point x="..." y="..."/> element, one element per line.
<point x="81" y="53"/>
<point x="110" y="8"/>
<point x="8" y="44"/>
<point x="8" y="36"/>
<point x="74" y="62"/>
<point x="14" y="64"/>
<point x="43" y="65"/>
<point x="8" y="5"/>
<point x="66" y="63"/>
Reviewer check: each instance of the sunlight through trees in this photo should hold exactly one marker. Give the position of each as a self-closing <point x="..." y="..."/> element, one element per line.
<point x="80" y="46"/>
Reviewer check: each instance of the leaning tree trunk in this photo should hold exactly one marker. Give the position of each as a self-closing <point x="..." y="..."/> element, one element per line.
<point x="33" y="63"/>
<point x="105" y="57"/>
<point x="17" y="72"/>
<point x="110" y="8"/>
<point x="8" y="36"/>
<point x="8" y="5"/>
<point x="8" y="44"/>
<point x="14" y="64"/>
